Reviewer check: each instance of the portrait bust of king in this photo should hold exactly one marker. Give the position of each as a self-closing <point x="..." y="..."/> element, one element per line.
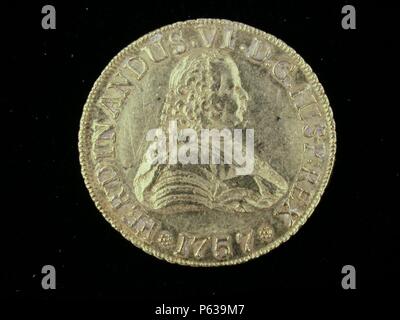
<point x="205" y="91"/>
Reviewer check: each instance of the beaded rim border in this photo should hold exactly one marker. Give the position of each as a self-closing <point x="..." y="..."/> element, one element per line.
<point x="84" y="152"/>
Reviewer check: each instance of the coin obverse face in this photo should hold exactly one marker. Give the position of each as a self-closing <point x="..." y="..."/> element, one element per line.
<point x="207" y="142"/>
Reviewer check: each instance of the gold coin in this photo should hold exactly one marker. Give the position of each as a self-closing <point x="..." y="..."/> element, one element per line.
<point x="207" y="142"/>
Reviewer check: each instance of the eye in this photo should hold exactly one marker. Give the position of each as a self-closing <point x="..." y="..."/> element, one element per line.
<point x="238" y="89"/>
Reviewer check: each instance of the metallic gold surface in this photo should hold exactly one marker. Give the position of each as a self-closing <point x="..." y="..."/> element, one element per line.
<point x="212" y="74"/>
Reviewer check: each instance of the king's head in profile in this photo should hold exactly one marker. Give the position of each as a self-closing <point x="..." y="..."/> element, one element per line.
<point x="205" y="91"/>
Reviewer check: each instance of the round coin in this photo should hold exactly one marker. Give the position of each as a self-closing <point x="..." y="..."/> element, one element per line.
<point x="207" y="142"/>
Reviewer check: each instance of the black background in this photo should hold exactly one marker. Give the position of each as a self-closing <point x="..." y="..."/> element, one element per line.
<point x="51" y="219"/>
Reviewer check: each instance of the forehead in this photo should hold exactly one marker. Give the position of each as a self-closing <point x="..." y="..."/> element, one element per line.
<point x="229" y="71"/>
